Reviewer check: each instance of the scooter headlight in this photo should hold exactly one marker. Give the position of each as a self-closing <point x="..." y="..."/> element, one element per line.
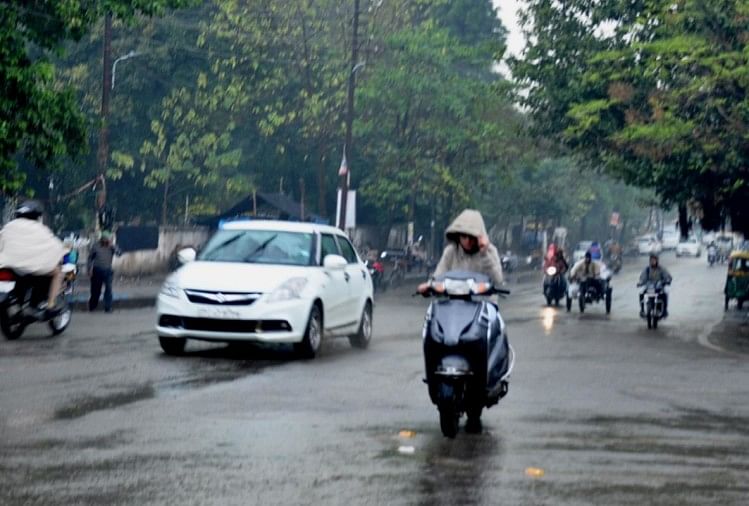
<point x="551" y="270"/>
<point x="480" y="288"/>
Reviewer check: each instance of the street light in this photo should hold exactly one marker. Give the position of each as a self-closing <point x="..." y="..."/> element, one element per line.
<point x="129" y="55"/>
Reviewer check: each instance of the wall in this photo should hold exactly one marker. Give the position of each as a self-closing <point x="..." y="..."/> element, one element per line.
<point x="152" y="261"/>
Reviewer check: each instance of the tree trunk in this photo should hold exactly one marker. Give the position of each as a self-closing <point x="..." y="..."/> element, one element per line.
<point x="683" y="221"/>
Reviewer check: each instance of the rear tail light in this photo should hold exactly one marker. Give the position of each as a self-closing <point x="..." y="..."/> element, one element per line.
<point x="6" y="275"/>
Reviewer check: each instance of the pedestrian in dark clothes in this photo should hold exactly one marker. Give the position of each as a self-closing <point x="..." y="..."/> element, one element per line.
<point x="100" y="271"/>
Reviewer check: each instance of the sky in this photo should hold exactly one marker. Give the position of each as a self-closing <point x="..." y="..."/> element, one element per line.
<point x="508" y="15"/>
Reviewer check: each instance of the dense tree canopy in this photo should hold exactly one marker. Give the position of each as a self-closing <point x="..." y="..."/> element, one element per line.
<point x="225" y="97"/>
<point x="654" y="91"/>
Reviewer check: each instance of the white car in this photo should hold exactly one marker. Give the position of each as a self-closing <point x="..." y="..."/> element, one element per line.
<point x="689" y="247"/>
<point x="670" y="239"/>
<point x="271" y="282"/>
<point x="648" y="245"/>
<point x="580" y="250"/>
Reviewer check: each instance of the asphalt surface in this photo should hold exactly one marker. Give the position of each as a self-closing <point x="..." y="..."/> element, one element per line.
<point x="600" y="411"/>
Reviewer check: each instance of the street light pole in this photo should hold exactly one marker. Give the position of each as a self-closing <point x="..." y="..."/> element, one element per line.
<point x="344" y="173"/>
<point x="103" y="148"/>
<point x="129" y="55"/>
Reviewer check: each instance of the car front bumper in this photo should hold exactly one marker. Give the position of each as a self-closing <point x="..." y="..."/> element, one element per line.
<point x="261" y="321"/>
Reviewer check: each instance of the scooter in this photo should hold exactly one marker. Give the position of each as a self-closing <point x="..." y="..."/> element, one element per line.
<point x="467" y="356"/>
<point x="652" y="303"/>
<point x="555" y="286"/>
<point x="376" y="271"/>
<point x="23" y="302"/>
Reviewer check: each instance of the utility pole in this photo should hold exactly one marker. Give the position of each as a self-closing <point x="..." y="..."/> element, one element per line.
<point x="103" y="152"/>
<point x="345" y="176"/>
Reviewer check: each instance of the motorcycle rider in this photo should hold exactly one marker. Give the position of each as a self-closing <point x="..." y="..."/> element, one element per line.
<point x="468" y="249"/>
<point x="587" y="272"/>
<point x="29" y="247"/>
<point x="560" y="262"/>
<point x="654" y="273"/>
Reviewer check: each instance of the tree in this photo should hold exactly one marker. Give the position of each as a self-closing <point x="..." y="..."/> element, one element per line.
<point x="658" y="101"/>
<point x="39" y="121"/>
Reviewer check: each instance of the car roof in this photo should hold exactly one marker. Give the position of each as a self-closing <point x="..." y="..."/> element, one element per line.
<point x="281" y="226"/>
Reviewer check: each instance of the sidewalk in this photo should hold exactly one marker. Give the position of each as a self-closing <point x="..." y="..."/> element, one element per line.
<point x="127" y="292"/>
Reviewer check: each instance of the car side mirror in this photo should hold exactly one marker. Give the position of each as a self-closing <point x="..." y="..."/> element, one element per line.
<point x="334" y="262"/>
<point x="187" y="255"/>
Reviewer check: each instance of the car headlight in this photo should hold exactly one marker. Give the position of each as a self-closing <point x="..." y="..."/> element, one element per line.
<point x="170" y="289"/>
<point x="290" y="289"/>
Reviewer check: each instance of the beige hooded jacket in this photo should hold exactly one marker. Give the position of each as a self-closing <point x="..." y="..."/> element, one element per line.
<point x="455" y="258"/>
<point x="29" y="247"/>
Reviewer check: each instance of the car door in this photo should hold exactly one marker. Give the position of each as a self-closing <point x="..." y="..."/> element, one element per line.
<point x="358" y="283"/>
<point x="335" y="289"/>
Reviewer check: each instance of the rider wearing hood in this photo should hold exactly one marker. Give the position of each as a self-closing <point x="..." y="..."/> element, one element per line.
<point x="468" y="248"/>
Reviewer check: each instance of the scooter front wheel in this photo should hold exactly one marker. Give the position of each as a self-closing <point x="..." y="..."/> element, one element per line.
<point x="449" y="420"/>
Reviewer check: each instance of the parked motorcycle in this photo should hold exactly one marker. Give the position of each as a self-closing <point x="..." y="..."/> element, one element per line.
<point x="652" y="303"/>
<point x="509" y="262"/>
<point x="23" y="301"/>
<point x="467" y="356"/>
<point x="555" y="286"/>
<point x="376" y="272"/>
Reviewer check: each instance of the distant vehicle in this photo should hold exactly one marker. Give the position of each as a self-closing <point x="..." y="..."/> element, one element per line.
<point x="689" y="247"/>
<point x="670" y="239"/>
<point x="724" y="243"/>
<point x="580" y="250"/>
<point x="648" y="245"/>
<point x="271" y="282"/>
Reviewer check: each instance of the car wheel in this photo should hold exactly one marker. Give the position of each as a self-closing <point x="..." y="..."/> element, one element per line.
<point x="313" y="335"/>
<point x="173" y="345"/>
<point x="364" y="335"/>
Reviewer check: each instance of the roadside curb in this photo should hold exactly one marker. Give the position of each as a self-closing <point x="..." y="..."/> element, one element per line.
<point x="119" y="303"/>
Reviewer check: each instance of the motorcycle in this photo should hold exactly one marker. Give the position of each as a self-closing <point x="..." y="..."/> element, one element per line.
<point x="554" y="285"/>
<point x="23" y="301"/>
<point x="376" y="272"/>
<point x="712" y="255"/>
<point x="509" y="262"/>
<point x="468" y="359"/>
<point x="652" y="303"/>
<point x="589" y="293"/>
<point x="615" y="263"/>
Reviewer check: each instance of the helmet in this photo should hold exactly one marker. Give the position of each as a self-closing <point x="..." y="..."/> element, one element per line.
<point x="588" y="255"/>
<point x="30" y="209"/>
<point x="654" y="255"/>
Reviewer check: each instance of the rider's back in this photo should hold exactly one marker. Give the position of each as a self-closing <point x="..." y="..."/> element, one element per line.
<point x="29" y="247"/>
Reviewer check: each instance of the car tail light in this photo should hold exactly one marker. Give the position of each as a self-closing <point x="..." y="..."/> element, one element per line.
<point x="6" y="275"/>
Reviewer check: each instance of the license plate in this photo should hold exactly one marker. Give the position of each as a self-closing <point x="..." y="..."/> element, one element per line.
<point x="222" y="313"/>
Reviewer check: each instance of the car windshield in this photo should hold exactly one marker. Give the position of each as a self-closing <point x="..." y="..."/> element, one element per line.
<point x="259" y="247"/>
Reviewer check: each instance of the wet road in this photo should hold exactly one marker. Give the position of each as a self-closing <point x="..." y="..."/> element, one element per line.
<point x="600" y="411"/>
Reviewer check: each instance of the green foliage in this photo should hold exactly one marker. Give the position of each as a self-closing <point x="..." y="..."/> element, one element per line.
<point x="40" y="121"/>
<point x="659" y="100"/>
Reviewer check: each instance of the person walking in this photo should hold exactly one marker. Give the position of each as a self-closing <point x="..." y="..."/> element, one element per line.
<point x="100" y="271"/>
